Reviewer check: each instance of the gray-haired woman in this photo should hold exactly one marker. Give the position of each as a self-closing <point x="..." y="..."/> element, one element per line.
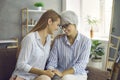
<point x="70" y="52"/>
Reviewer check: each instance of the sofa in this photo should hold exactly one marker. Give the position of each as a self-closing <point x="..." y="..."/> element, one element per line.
<point x="8" y="61"/>
<point x="97" y="74"/>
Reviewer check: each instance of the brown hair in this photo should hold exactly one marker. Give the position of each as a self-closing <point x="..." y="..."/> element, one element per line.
<point x="43" y="21"/>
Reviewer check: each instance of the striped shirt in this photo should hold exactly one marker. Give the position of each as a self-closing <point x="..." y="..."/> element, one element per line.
<point x="32" y="54"/>
<point x="64" y="56"/>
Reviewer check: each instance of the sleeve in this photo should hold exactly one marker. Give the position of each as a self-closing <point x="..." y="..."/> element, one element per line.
<point x="53" y="57"/>
<point x="22" y="62"/>
<point x="83" y="59"/>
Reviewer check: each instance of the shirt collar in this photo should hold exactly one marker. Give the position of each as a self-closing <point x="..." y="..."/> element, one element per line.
<point x="77" y="38"/>
<point x="38" y="36"/>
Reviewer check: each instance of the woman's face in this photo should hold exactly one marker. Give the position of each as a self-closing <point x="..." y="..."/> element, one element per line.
<point x="69" y="29"/>
<point x="53" y="26"/>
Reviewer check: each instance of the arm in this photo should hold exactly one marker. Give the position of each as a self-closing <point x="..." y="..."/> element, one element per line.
<point x="41" y="72"/>
<point x="68" y="71"/>
<point x="23" y="55"/>
<point x="83" y="59"/>
<point x="25" y="51"/>
<point x="53" y="57"/>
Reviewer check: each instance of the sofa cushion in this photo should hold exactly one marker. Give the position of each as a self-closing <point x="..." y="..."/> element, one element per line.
<point x="97" y="74"/>
<point x="7" y="62"/>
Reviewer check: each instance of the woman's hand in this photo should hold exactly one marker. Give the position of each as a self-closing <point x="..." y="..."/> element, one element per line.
<point x="49" y="73"/>
<point x="58" y="73"/>
<point x="12" y="77"/>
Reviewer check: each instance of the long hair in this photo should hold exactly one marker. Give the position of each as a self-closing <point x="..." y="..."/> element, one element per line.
<point x="43" y="21"/>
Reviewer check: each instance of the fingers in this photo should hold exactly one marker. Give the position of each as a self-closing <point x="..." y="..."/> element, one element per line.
<point x="50" y="73"/>
<point x="12" y="78"/>
<point x="58" y="73"/>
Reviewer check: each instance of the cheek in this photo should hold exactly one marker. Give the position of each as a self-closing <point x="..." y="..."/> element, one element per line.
<point x="55" y="27"/>
<point x="69" y="30"/>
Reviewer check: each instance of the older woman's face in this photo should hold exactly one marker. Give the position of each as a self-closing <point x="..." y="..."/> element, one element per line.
<point x="69" y="29"/>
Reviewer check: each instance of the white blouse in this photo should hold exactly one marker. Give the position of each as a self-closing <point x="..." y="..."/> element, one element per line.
<point x="32" y="54"/>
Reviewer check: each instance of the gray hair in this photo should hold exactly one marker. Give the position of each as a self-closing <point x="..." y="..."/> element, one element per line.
<point x="69" y="17"/>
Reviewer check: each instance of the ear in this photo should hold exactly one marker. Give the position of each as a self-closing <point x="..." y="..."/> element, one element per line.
<point x="49" y="21"/>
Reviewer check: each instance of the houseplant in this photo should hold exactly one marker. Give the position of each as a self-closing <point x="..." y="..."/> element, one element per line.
<point x="96" y="50"/>
<point x="39" y="5"/>
<point x="92" y="22"/>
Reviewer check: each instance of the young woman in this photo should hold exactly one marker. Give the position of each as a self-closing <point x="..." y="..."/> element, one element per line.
<point x="35" y="48"/>
<point x="70" y="52"/>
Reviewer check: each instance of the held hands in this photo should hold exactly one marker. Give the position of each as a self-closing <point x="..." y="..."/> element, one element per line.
<point x="49" y="73"/>
<point x="57" y="72"/>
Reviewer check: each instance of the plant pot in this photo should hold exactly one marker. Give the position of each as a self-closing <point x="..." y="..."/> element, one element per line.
<point x="39" y="8"/>
<point x="96" y="59"/>
<point x="95" y="63"/>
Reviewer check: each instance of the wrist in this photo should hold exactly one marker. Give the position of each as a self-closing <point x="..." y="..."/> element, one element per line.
<point x="45" y="72"/>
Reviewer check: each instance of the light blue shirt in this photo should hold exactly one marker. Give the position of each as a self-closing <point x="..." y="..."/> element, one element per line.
<point x="32" y="54"/>
<point x="64" y="56"/>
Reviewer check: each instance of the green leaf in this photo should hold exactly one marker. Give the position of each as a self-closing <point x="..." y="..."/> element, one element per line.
<point x="96" y="49"/>
<point x="39" y="4"/>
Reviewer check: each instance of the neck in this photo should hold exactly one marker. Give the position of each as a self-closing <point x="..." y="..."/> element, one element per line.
<point x="43" y="34"/>
<point x="72" y="37"/>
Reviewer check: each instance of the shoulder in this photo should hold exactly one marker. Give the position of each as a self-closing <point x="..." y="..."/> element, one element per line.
<point x="83" y="38"/>
<point x="59" y="36"/>
<point x="29" y="37"/>
<point x="58" y="39"/>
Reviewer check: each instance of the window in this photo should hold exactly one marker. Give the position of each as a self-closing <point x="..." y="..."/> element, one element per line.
<point x="98" y="9"/>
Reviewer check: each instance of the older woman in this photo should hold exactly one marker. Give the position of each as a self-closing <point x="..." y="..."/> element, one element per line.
<point x="70" y="52"/>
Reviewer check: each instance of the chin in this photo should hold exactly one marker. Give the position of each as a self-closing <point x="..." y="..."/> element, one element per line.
<point x="67" y="34"/>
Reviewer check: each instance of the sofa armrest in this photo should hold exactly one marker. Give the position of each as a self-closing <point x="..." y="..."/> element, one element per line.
<point x="7" y="62"/>
<point x="97" y="74"/>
